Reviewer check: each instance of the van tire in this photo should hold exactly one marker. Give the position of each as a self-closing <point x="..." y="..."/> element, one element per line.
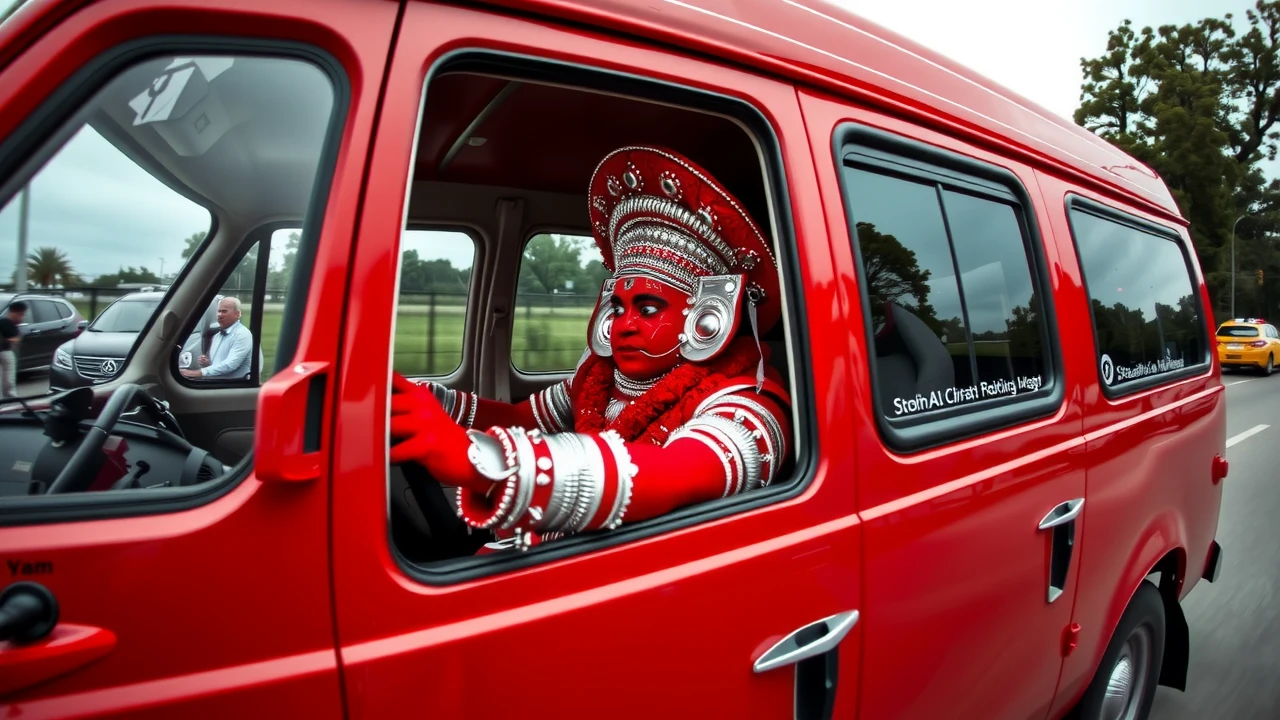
<point x="1134" y="655"/>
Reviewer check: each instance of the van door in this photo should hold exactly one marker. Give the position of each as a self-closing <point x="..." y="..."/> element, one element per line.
<point x="970" y="485"/>
<point x="676" y="615"/>
<point x="181" y="585"/>
<point x="1155" y="420"/>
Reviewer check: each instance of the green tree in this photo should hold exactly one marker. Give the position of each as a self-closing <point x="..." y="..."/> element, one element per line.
<point x="193" y="242"/>
<point x="1199" y="103"/>
<point x="550" y="261"/>
<point x="49" y="267"/>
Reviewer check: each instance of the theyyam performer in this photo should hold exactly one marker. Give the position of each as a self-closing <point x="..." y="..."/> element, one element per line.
<point x="673" y="404"/>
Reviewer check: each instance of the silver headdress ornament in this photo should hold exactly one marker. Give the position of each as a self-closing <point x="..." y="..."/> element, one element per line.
<point x="657" y="215"/>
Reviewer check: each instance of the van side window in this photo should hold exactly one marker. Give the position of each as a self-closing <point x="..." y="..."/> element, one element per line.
<point x="1146" y="312"/>
<point x="560" y="277"/>
<point x="947" y="281"/>
<point x="435" y="278"/>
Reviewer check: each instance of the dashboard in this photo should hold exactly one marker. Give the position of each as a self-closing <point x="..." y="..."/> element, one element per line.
<point x="134" y="443"/>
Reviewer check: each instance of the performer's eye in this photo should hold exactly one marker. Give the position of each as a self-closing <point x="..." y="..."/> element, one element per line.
<point x="648" y="309"/>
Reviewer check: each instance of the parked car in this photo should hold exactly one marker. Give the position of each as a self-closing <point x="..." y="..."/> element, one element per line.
<point x="97" y="355"/>
<point x="49" y="322"/>
<point x="1248" y="343"/>
<point x="1009" y="438"/>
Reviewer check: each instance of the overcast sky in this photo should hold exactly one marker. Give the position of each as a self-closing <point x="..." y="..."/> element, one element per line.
<point x="104" y="212"/>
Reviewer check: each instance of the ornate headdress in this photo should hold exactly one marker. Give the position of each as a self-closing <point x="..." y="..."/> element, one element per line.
<point x="657" y="214"/>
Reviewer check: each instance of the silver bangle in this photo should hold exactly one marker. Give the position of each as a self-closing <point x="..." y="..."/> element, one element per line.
<point x="740" y="444"/>
<point x="568" y="467"/>
<point x="627" y="472"/>
<point x="489" y="458"/>
<point x="471" y="414"/>
<point x="682" y="434"/>
<point x="524" y="480"/>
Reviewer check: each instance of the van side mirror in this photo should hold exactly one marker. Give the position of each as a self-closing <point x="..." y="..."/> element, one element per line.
<point x="82" y="325"/>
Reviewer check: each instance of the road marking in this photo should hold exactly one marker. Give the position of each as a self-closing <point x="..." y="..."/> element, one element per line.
<point x="1247" y="434"/>
<point x="1240" y="382"/>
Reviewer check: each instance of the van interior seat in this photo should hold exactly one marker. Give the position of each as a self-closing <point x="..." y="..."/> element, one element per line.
<point x="911" y="360"/>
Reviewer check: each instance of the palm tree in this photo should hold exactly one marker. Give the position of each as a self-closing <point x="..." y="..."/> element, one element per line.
<point x="48" y="267"/>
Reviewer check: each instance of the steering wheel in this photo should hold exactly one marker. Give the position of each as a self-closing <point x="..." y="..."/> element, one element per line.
<point x="91" y="444"/>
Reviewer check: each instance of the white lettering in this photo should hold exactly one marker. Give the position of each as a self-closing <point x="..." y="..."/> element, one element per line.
<point x="952" y="396"/>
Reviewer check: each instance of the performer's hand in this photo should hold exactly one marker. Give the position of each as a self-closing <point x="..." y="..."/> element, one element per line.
<point x="422" y="432"/>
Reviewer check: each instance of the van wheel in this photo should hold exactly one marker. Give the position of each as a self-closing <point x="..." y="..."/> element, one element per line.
<point x="1124" y="686"/>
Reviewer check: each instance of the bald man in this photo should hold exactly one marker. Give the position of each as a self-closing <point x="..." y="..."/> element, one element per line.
<point x="229" y="352"/>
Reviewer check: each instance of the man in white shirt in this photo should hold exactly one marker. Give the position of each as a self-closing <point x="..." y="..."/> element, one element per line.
<point x="229" y="352"/>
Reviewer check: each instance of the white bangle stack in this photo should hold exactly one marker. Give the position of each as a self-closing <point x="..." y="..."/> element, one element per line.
<point x="562" y="483"/>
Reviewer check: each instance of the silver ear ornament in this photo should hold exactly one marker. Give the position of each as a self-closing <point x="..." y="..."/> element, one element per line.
<point x="713" y="319"/>
<point x="602" y="321"/>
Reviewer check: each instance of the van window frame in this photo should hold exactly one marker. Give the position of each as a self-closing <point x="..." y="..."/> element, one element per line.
<point x="46" y="130"/>
<point x="1079" y="203"/>
<point x="805" y="439"/>
<point x="885" y="153"/>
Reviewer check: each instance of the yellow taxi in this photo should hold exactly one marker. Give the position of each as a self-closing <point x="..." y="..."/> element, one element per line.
<point x="1248" y="343"/>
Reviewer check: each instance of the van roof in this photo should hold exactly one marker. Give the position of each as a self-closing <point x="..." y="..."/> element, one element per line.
<point x="822" y="45"/>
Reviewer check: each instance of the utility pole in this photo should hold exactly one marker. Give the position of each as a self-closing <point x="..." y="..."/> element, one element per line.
<point x="24" y="211"/>
<point x="1233" y="264"/>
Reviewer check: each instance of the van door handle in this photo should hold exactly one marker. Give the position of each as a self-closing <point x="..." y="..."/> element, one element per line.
<point x="813" y="649"/>
<point x="1061" y="520"/>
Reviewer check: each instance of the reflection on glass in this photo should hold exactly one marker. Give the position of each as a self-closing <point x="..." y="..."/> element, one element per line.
<point x="1144" y="304"/>
<point x="907" y="262"/>
<point x="996" y="278"/>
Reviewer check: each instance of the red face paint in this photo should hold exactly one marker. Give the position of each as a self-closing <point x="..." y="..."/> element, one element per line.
<point x="648" y="317"/>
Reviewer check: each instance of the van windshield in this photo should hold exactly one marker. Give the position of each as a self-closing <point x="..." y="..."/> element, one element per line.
<point x="1238" y="331"/>
<point x="127" y="316"/>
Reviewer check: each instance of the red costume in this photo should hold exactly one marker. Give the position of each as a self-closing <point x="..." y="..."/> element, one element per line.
<point x="674" y="403"/>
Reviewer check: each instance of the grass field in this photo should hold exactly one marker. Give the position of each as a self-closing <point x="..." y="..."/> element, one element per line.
<point x="543" y="339"/>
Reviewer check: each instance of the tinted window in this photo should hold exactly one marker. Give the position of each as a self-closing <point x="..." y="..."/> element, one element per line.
<point x="1145" y="311"/>
<point x="947" y="280"/>
<point x="560" y="278"/>
<point x="125" y="316"/>
<point x="1238" y="331"/>
<point x="64" y="310"/>
<point x="43" y="311"/>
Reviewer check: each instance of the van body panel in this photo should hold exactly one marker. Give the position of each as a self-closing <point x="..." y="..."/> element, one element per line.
<point x="1149" y="458"/>
<point x="670" y="622"/>
<point x="936" y="520"/>
<point x="224" y="606"/>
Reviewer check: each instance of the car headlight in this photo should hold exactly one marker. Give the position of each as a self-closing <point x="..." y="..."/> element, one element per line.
<point x="62" y="359"/>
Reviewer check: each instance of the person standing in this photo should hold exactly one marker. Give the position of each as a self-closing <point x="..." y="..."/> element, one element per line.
<point x="10" y="338"/>
<point x="229" y="352"/>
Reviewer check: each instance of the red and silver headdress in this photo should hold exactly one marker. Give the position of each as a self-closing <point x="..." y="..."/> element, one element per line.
<point x="657" y="214"/>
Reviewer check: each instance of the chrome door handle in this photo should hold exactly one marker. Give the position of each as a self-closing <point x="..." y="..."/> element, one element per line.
<point x="1062" y="514"/>
<point x="809" y="641"/>
<point x="1061" y="521"/>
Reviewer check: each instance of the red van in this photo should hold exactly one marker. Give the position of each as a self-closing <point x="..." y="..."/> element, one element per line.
<point x="1008" y="420"/>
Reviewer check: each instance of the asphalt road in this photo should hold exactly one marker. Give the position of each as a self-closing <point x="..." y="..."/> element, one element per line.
<point x="1235" y="623"/>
